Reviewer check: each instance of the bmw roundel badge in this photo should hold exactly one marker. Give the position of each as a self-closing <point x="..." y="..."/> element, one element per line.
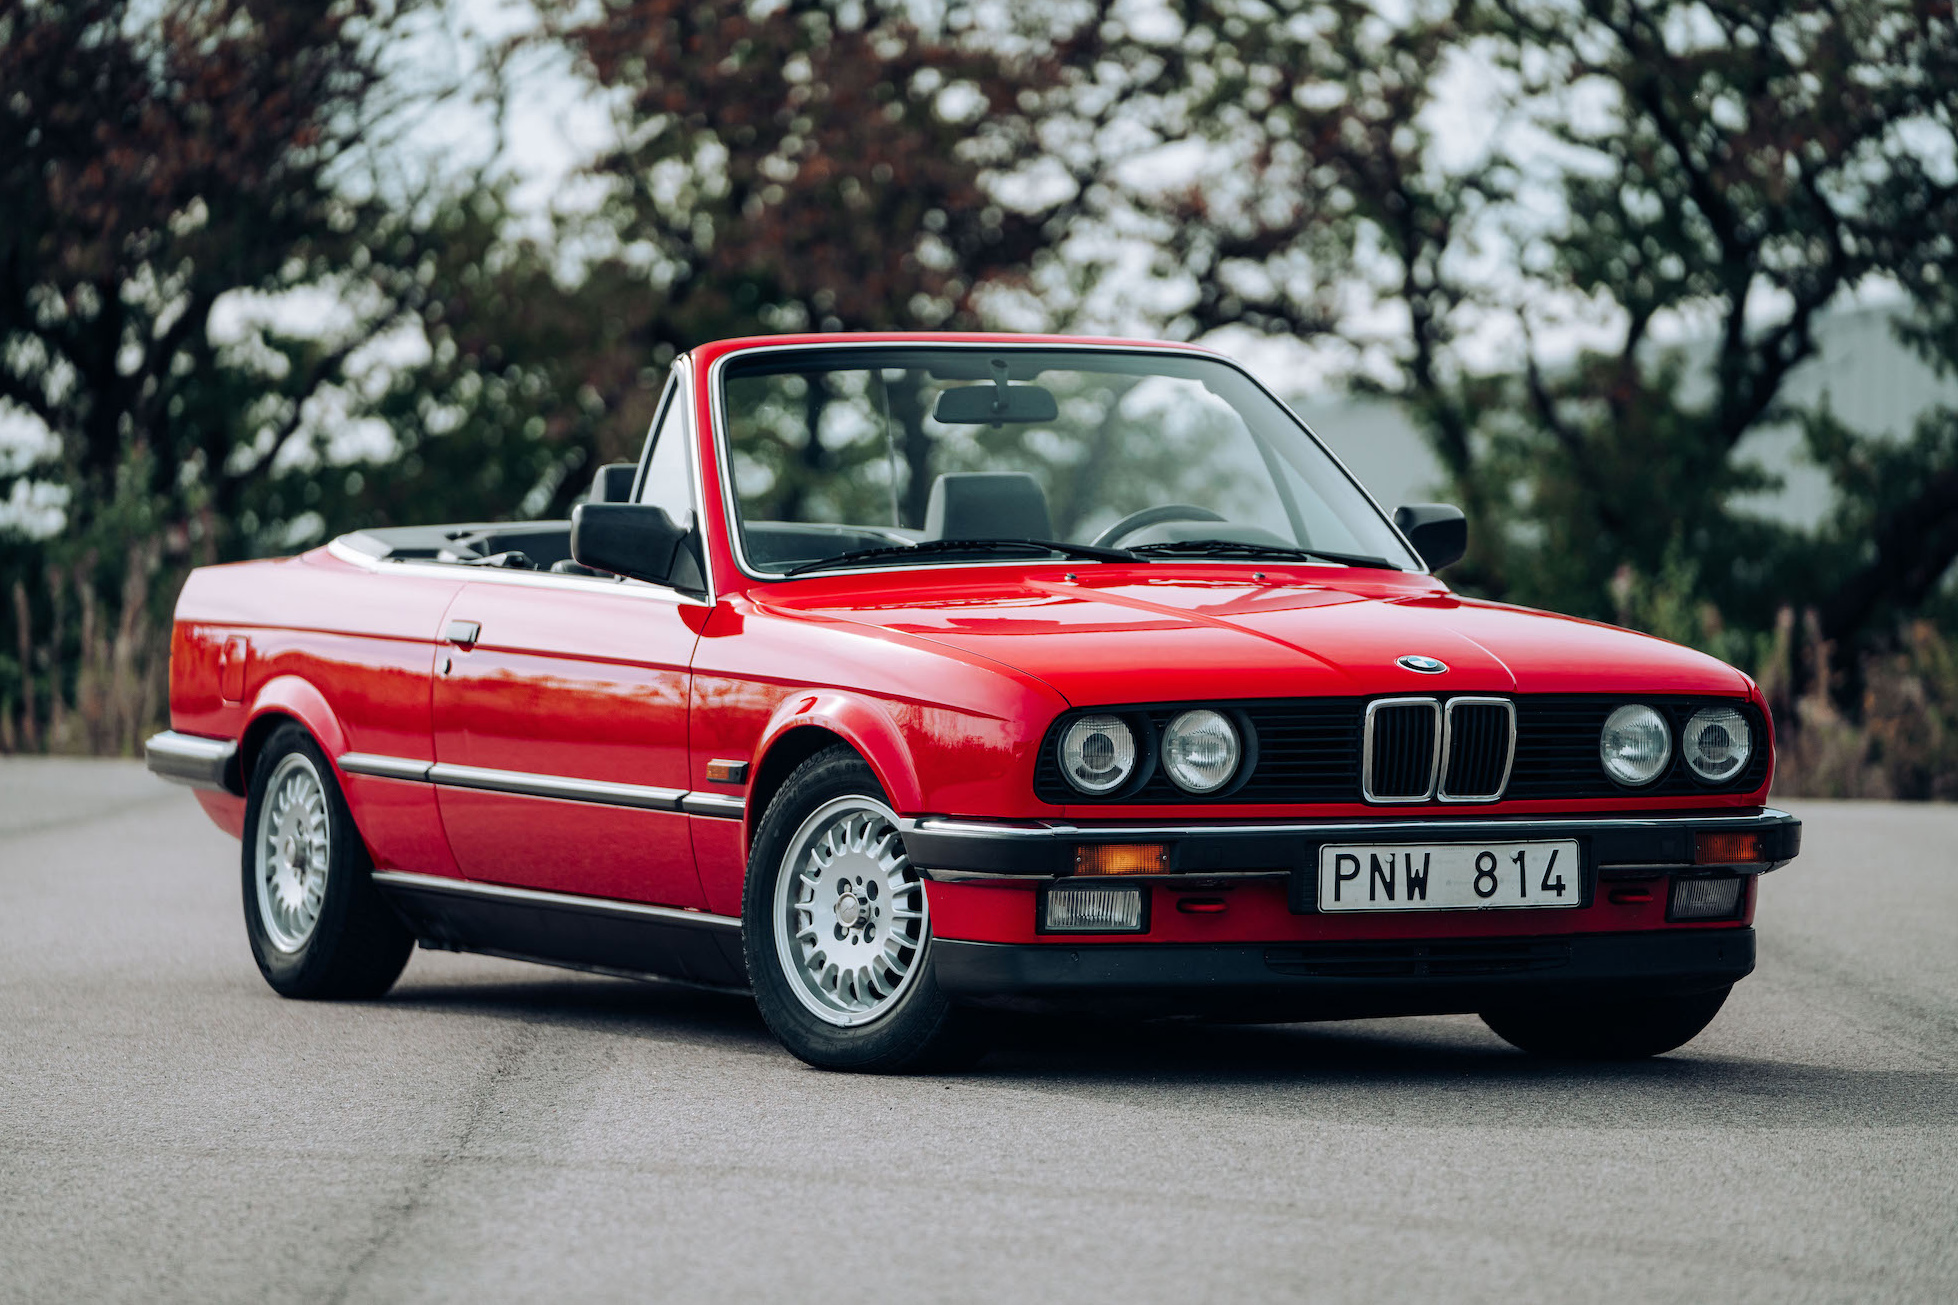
<point x="1425" y="665"/>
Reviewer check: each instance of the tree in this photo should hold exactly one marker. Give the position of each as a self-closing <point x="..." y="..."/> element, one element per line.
<point x="1649" y="165"/>
<point x="200" y="237"/>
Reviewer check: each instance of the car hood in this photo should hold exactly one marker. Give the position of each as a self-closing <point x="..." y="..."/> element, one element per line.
<point x="1129" y="637"/>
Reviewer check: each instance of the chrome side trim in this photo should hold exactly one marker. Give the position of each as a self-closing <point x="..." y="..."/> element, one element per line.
<point x="713" y="804"/>
<point x="1448" y="749"/>
<point x="527" y="784"/>
<point x="404" y="881"/>
<point x="192" y="759"/>
<point x="948" y="827"/>
<point x="555" y="786"/>
<point x="1366" y="752"/>
<point x="367" y="763"/>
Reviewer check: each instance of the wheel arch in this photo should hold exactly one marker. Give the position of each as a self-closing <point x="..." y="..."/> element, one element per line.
<point x="805" y="725"/>
<point x="288" y="699"/>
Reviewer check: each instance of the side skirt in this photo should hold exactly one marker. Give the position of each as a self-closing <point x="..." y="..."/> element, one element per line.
<point x="628" y="939"/>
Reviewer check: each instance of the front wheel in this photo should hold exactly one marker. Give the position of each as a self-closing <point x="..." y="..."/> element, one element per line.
<point x="1627" y="1029"/>
<point x="317" y="925"/>
<point x="837" y="928"/>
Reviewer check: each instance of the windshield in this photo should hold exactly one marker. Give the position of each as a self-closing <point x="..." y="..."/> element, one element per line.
<point x="895" y="455"/>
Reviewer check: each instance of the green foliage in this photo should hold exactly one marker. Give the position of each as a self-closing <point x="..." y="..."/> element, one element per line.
<point x="245" y="329"/>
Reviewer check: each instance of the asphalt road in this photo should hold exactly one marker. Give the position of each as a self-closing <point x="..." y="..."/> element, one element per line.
<point x="171" y="1130"/>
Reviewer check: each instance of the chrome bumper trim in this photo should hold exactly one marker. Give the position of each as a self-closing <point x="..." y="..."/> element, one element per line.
<point x="1062" y="830"/>
<point x="194" y="760"/>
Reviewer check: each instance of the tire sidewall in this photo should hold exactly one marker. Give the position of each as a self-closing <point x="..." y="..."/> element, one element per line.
<point x="307" y="970"/>
<point x="904" y="1037"/>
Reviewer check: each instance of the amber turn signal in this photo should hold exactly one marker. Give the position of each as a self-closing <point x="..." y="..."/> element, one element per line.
<point x="1121" y="859"/>
<point x="1726" y="849"/>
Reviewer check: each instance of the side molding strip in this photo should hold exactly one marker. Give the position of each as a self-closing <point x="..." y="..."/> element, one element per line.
<point x="713" y="804"/>
<point x="556" y="786"/>
<point x="527" y="784"/>
<point x="366" y="763"/>
<point x="406" y="881"/>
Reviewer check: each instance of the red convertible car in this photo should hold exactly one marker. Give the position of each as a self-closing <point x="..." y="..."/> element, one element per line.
<point x="909" y="675"/>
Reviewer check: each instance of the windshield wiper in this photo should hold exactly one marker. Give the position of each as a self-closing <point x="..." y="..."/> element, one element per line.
<point x="940" y="547"/>
<point x="1238" y="548"/>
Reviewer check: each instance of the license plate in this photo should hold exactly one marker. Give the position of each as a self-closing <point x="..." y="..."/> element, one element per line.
<point x="1447" y="876"/>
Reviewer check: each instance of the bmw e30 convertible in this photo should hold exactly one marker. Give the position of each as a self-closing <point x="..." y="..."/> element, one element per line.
<point x="908" y="676"/>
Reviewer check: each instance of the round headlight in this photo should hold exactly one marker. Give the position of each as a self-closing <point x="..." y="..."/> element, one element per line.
<point x="1098" y="753"/>
<point x="1201" y="751"/>
<point x="1635" y="745"/>
<point x="1717" y="743"/>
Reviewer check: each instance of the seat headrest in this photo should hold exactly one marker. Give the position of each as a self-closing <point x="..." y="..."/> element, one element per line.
<point x="987" y="505"/>
<point x="613" y="483"/>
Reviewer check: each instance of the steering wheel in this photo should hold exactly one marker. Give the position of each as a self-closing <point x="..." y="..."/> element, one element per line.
<point x="1154" y="516"/>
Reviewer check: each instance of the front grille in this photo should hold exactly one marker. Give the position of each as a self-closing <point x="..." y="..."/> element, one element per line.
<point x="1400" y="749"/>
<point x="1308" y="750"/>
<point x="1480" y="737"/>
<point x="1311" y="751"/>
<point x="1557" y="748"/>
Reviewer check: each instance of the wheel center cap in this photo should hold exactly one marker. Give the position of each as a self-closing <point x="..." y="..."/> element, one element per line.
<point x="848" y="910"/>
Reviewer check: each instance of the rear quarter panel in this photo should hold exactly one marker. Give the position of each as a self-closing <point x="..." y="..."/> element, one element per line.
<point x="346" y="651"/>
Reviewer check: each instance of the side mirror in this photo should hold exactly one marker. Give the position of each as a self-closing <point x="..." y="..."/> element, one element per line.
<point x="1438" y="531"/>
<point x="637" y="540"/>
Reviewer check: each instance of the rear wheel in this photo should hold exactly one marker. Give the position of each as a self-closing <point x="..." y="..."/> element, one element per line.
<point x="1629" y="1029"/>
<point x="318" y="926"/>
<point x="838" y="931"/>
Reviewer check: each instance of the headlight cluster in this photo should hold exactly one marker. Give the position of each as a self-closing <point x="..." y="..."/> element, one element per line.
<point x="1636" y="744"/>
<point x="1200" y="750"/>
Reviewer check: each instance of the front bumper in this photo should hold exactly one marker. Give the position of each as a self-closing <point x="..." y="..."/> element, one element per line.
<point x="1617" y="846"/>
<point x="1341" y="980"/>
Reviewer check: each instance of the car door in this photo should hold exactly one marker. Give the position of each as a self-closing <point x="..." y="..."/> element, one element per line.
<point x="560" y="719"/>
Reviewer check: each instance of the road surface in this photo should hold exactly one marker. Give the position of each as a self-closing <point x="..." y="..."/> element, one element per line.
<point x="171" y="1130"/>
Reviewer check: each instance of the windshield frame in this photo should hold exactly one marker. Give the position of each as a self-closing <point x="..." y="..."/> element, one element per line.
<point x="730" y="507"/>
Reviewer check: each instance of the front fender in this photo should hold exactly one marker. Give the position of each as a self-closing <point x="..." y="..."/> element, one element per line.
<point x="861" y="722"/>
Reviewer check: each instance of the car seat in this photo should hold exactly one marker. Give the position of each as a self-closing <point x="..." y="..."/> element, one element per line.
<point x="987" y="505"/>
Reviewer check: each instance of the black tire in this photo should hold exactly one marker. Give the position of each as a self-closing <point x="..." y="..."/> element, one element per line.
<point x="921" y="1031"/>
<point x="1629" y="1029"/>
<point x="356" y="946"/>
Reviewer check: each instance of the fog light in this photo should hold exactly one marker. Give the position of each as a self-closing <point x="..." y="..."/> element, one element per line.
<point x="1120" y="858"/>
<point x="1098" y="908"/>
<point x="1705" y="899"/>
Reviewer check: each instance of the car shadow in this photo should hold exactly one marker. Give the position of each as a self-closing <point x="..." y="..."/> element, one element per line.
<point x="1426" y="1070"/>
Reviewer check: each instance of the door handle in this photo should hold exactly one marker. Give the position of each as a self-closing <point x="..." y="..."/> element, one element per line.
<point x="463" y="634"/>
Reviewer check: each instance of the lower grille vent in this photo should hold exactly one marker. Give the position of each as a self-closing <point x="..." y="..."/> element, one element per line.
<point x="1465" y="958"/>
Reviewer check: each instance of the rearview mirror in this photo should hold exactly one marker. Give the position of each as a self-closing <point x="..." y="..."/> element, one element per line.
<point x="636" y="540"/>
<point x="1438" y="531"/>
<point x="982" y="405"/>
